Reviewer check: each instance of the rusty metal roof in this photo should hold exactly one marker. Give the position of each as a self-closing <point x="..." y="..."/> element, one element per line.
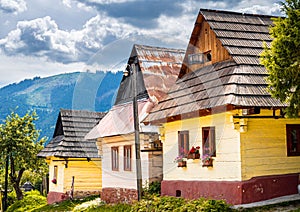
<point x="68" y="139"/>
<point x="157" y="69"/>
<point x="240" y="82"/>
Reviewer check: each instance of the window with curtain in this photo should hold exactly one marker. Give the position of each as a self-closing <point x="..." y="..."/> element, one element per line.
<point x="183" y="143"/>
<point x="115" y="158"/>
<point x="208" y="141"/>
<point x="127" y="158"/>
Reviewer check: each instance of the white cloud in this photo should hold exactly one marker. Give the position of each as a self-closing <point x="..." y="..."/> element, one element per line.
<point x="17" y="68"/>
<point x="13" y="6"/>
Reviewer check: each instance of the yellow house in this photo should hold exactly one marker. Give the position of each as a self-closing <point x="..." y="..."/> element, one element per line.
<point x="220" y="104"/>
<point x="157" y="69"/>
<point x="74" y="163"/>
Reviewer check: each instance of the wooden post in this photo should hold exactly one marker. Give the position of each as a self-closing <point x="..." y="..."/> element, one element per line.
<point x="136" y="130"/>
<point x="72" y="188"/>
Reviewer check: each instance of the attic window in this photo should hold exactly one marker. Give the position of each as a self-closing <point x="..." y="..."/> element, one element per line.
<point x="199" y="58"/>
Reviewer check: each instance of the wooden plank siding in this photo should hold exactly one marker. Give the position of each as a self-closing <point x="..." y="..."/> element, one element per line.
<point x="264" y="147"/>
<point x="87" y="175"/>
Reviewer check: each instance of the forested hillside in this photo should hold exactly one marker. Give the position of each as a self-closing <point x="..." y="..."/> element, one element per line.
<point x="79" y="90"/>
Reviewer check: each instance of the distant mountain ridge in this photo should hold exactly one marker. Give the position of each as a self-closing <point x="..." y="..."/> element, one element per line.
<point x="78" y="91"/>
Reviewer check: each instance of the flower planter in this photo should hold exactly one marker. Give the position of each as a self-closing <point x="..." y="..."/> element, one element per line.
<point x="193" y="156"/>
<point x="207" y="163"/>
<point x="181" y="164"/>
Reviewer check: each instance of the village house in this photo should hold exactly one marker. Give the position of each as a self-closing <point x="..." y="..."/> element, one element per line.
<point x="220" y="107"/>
<point x="74" y="163"/>
<point x="157" y="69"/>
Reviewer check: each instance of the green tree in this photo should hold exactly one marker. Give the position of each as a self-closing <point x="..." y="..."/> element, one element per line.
<point x="282" y="58"/>
<point x="19" y="142"/>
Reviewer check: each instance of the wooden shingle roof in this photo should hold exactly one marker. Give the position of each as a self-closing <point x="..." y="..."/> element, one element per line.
<point x="68" y="139"/>
<point x="238" y="82"/>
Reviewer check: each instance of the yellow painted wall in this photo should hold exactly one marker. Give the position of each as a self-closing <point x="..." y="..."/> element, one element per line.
<point x="264" y="148"/>
<point x="88" y="175"/>
<point x="227" y="163"/>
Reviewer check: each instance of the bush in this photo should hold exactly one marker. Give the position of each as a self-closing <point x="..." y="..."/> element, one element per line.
<point x="152" y="188"/>
<point x="158" y="204"/>
<point x="180" y="205"/>
<point x="30" y="201"/>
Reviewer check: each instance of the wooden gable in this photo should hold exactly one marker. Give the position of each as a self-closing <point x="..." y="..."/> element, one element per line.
<point x="203" y="41"/>
<point x="232" y="78"/>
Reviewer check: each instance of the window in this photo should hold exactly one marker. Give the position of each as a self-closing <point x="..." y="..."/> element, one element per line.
<point x="208" y="141"/>
<point x="115" y="158"/>
<point x="55" y="172"/>
<point x="127" y="158"/>
<point x="293" y="139"/>
<point x="183" y="142"/>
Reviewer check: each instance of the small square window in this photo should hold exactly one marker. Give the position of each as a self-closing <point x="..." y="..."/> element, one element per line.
<point x="293" y="139"/>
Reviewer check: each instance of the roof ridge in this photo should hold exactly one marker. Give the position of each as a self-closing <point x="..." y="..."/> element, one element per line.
<point x="157" y="47"/>
<point x="236" y="13"/>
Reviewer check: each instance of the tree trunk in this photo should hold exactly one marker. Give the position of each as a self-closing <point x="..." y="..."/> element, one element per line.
<point x="15" y="180"/>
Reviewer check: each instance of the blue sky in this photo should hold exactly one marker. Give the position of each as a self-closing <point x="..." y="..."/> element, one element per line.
<point x="48" y="37"/>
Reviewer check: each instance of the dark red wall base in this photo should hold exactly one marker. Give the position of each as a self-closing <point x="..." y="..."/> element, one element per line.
<point x="118" y="195"/>
<point x="234" y="192"/>
<point x="54" y="197"/>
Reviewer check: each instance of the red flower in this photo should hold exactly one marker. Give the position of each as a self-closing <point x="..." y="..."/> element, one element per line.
<point x="54" y="181"/>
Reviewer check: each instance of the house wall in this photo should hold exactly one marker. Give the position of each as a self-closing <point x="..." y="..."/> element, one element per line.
<point x="227" y="163"/>
<point x="265" y="161"/>
<point x="120" y="186"/>
<point x="87" y="181"/>
<point x="264" y="147"/>
<point x="251" y="162"/>
<point x="87" y="177"/>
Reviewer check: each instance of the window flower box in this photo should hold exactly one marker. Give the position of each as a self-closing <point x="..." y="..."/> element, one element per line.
<point x="207" y="161"/>
<point x="181" y="161"/>
<point x="181" y="164"/>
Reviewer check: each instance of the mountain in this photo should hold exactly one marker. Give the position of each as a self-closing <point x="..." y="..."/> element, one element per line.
<point x="78" y="91"/>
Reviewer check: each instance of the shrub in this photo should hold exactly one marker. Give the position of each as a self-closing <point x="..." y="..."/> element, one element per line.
<point x="158" y="204"/>
<point x="180" y="205"/>
<point x="152" y="189"/>
<point x="30" y="201"/>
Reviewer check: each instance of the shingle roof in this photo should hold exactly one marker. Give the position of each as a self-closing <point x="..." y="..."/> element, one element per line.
<point x="238" y="82"/>
<point x="68" y="139"/>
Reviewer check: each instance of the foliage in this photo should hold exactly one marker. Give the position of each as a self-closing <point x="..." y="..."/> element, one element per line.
<point x="158" y="204"/>
<point x="180" y="205"/>
<point x="31" y="200"/>
<point x="282" y="59"/>
<point x="19" y="142"/>
<point x="152" y="188"/>
<point x="111" y="208"/>
<point x="11" y="198"/>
